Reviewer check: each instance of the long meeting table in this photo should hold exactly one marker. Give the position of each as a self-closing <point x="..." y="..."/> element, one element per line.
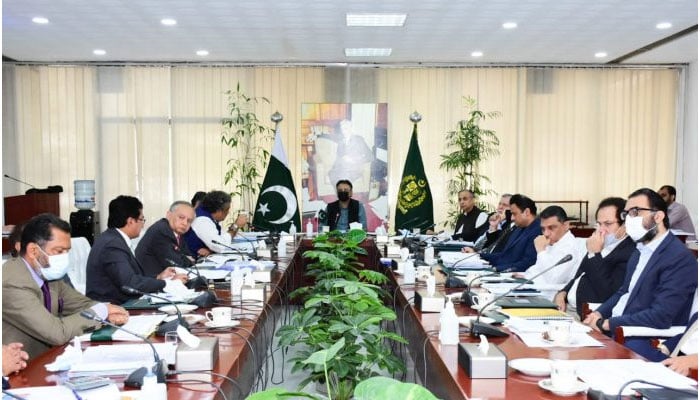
<point x="435" y="365"/>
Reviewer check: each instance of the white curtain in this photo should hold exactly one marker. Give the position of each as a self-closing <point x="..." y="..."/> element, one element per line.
<point x="154" y="131"/>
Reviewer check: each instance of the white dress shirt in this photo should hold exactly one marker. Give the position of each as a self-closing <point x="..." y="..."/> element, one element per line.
<point x="206" y="231"/>
<point x="561" y="274"/>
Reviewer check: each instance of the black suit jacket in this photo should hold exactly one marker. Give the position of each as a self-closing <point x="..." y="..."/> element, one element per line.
<point x="604" y="275"/>
<point x="111" y="265"/>
<point x="159" y="249"/>
<point x="470" y="232"/>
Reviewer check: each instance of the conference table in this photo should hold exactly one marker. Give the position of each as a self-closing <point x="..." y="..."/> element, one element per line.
<point x="243" y="362"/>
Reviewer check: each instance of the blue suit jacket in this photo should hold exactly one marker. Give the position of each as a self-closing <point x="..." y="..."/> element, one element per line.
<point x="664" y="292"/>
<point x="519" y="253"/>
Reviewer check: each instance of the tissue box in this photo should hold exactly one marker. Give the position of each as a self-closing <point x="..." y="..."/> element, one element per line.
<point x="203" y="357"/>
<point x="426" y="303"/>
<point x="476" y="364"/>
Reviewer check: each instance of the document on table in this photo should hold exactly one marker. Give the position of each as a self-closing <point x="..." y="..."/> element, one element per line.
<point x="608" y="376"/>
<point x="60" y="392"/>
<point x="117" y="359"/>
<point x="144" y="325"/>
<point x="531" y="331"/>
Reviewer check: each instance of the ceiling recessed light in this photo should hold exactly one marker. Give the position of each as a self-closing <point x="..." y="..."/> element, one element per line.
<point x="375" y="19"/>
<point x="40" y="20"/>
<point x="477" y="53"/>
<point x="601" y="54"/>
<point x="168" y="22"/>
<point x="510" y="25"/>
<point x="99" y="52"/>
<point x="663" y="25"/>
<point x="367" y="52"/>
<point x="202" y="53"/>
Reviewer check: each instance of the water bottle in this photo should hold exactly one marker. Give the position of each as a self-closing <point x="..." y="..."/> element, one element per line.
<point x="309" y="228"/>
<point x="293" y="229"/>
<point x="449" y="325"/>
<point x="409" y="273"/>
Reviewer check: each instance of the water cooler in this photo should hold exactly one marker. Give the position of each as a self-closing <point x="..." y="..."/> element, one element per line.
<point x="85" y="222"/>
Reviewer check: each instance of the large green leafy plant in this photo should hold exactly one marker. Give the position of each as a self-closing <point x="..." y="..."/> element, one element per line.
<point x="248" y="139"/>
<point x="346" y="303"/>
<point x="468" y="146"/>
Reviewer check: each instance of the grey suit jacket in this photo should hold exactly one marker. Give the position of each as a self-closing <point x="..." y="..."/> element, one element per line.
<point x="26" y="320"/>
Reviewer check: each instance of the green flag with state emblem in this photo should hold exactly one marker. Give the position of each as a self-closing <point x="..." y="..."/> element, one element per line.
<point x="414" y="205"/>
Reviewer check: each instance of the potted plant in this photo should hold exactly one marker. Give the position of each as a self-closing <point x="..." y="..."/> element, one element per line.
<point x="346" y="303"/>
<point x="469" y="145"/>
<point x="248" y="138"/>
<point x="374" y="388"/>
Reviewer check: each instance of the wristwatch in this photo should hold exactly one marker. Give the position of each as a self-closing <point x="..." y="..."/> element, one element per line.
<point x="599" y="324"/>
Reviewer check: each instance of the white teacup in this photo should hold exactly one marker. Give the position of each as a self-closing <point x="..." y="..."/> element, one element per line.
<point x="482" y="298"/>
<point x="423" y="272"/>
<point x="219" y="315"/>
<point x="559" y="332"/>
<point x="563" y="374"/>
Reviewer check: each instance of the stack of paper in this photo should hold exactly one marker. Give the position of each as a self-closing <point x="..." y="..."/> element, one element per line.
<point x="117" y="359"/>
<point x="608" y="376"/>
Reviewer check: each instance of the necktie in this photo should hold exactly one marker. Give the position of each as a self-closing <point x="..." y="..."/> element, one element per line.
<point x="47" y="295"/>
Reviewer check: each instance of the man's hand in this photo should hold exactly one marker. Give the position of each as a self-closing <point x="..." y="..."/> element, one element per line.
<point x="167" y="273"/>
<point x="15" y="359"/>
<point x="560" y="301"/>
<point x="181" y="277"/>
<point x="203" y="252"/>
<point x="541" y="243"/>
<point x="682" y="364"/>
<point x="595" y="243"/>
<point x="116" y="314"/>
<point x="591" y="320"/>
<point x="494" y="220"/>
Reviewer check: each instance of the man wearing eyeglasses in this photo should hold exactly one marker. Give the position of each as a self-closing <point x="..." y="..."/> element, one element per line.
<point x="602" y="270"/>
<point x="661" y="278"/>
<point x="112" y="263"/>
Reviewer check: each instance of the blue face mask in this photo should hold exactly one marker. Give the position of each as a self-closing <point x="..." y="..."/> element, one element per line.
<point x="57" y="268"/>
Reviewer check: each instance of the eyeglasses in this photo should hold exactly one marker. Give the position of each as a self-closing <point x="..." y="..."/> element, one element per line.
<point x="634" y="211"/>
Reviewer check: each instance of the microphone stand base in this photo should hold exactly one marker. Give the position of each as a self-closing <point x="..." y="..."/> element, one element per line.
<point x="480" y="328"/>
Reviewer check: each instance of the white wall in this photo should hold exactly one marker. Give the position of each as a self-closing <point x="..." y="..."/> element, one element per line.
<point x="687" y="176"/>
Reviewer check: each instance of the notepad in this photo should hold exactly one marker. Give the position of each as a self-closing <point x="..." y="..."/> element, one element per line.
<point x="535" y="313"/>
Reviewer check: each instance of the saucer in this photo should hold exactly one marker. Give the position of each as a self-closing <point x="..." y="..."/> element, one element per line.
<point x="532" y="366"/>
<point x="231" y="324"/>
<point x="546" y="384"/>
<point x="184" y="308"/>
<point x="570" y="342"/>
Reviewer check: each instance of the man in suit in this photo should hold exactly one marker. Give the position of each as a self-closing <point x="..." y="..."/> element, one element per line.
<point x="39" y="309"/>
<point x="472" y="222"/>
<point x="499" y="227"/>
<point x="602" y="270"/>
<point x="661" y="276"/>
<point x="112" y="264"/>
<point x="519" y="251"/>
<point x="164" y="244"/>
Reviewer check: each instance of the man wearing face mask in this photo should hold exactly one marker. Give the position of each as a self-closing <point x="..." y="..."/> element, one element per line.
<point x="661" y="276"/>
<point x="601" y="272"/>
<point x="340" y="213"/>
<point x="39" y="309"/>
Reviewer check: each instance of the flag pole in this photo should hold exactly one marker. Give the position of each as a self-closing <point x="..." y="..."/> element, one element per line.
<point x="415" y="117"/>
<point x="276" y="117"/>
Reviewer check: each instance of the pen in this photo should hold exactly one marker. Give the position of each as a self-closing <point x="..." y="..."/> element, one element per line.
<point x="75" y="393"/>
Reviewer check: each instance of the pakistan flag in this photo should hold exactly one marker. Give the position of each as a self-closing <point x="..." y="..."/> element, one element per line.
<point x="414" y="206"/>
<point x="277" y="207"/>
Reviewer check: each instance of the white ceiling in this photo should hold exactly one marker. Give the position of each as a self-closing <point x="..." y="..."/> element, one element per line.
<point x="314" y="31"/>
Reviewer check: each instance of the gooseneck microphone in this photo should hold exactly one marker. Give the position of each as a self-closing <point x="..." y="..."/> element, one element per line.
<point x="165" y="326"/>
<point x="135" y="379"/>
<point x="237" y="251"/>
<point x="479" y="328"/>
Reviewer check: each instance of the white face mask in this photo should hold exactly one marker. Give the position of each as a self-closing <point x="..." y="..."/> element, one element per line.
<point x="609" y="239"/>
<point x="58" y="266"/>
<point x="635" y="228"/>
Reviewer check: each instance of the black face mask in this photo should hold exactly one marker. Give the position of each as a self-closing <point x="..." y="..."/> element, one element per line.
<point x="343" y="196"/>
